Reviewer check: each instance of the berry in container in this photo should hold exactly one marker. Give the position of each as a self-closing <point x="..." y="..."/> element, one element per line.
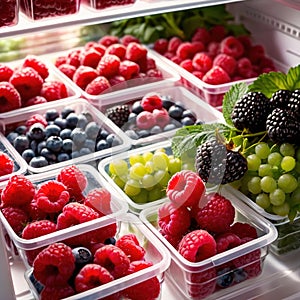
<point x="230" y="241"/>
<point x="62" y="133"/>
<point x="41" y="209"/>
<point x="154" y="115"/>
<point x="104" y="4"/>
<point x="9" y="14"/>
<point x="135" y="271"/>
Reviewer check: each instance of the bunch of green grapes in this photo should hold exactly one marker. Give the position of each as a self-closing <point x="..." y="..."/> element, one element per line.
<point x="273" y="178"/>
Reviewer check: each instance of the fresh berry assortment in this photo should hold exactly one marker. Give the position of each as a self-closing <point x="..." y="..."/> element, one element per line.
<point x="109" y="64"/>
<point x="101" y="4"/>
<point x="9" y="13"/>
<point x="30" y="83"/>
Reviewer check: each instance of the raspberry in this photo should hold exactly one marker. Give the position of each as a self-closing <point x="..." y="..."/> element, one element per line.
<point x="232" y="46"/>
<point x="98" y="86"/>
<point x="244" y="67"/>
<point x="201" y="35"/>
<point x="255" y="53"/>
<point x="174" y="43"/>
<point x="128" y="38"/>
<point x="151" y="101"/>
<point x="10" y="97"/>
<point x="145" y="120"/>
<point x="197" y="245"/>
<point x="108" y="40"/>
<point x="161" y="45"/>
<point x="56" y="293"/>
<point x="250" y="112"/>
<point x="174" y="221"/>
<point x="161" y="117"/>
<point x="217" y="215"/>
<point x="213" y="49"/>
<point x="243" y="230"/>
<point x="118" y="81"/>
<point x="226" y="241"/>
<point x="6" y="164"/>
<point x="91" y="276"/>
<point x="5" y="72"/>
<point x="99" y="199"/>
<point x="54" y="90"/>
<point x="185" y="50"/>
<point x="226" y="62"/>
<point x="117" y="49"/>
<point x="59" y="60"/>
<point x="174" y="240"/>
<point x="74" y="179"/>
<point x="113" y="259"/>
<point x="185" y="188"/>
<point x="216" y="75"/>
<point x="34" y="212"/>
<point x="84" y="75"/>
<point x="90" y="58"/>
<point x="67" y="69"/>
<point x="128" y="69"/>
<point x="34" y="101"/>
<point x="108" y="65"/>
<point x="294" y="103"/>
<point x="36" y="118"/>
<point x="36" y="64"/>
<point x="54" y="265"/>
<point x="136" y="52"/>
<point x="52" y="196"/>
<point x="18" y="191"/>
<point x="131" y="247"/>
<point x="28" y="82"/>
<point x="16" y="217"/>
<point x="73" y="58"/>
<point x="202" y="62"/>
<point x="187" y="64"/>
<point x="148" y="289"/>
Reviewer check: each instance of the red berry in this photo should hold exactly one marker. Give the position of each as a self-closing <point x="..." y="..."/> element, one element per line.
<point x="255" y="53"/>
<point x="161" y="116"/>
<point x="10" y="97"/>
<point x="34" y="101"/>
<point x="6" y="164"/>
<point x="128" y="69"/>
<point x="202" y="62"/>
<point x="185" y="188"/>
<point x="117" y="49"/>
<point x="36" y="118"/>
<point x="226" y="62"/>
<point x="38" y="228"/>
<point x="198" y="74"/>
<point x="197" y="47"/>
<point x="35" y="63"/>
<point x="201" y="35"/>
<point x="99" y="199"/>
<point x="5" y="72"/>
<point x="97" y="86"/>
<point x="108" y="65"/>
<point x="59" y="60"/>
<point x="174" y="43"/>
<point x="185" y="50"/>
<point x="127" y="38"/>
<point x="216" y="75"/>
<point x="96" y="46"/>
<point x="145" y="120"/>
<point x="187" y="64"/>
<point x="56" y="292"/>
<point x="16" y="217"/>
<point x="90" y="58"/>
<point x="213" y="48"/>
<point x="161" y="45"/>
<point x="243" y="230"/>
<point x="197" y="245"/>
<point x="118" y="81"/>
<point x="232" y="46"/>
<point x="84" y="75"/>
<point x="54" y="90"/>
<point x="244" y="67"/>
<point x="151" y="101"/>
<point x="73" y="58"/>
<point x="227" y="241"/>
<point x="136" y="52"/>
<point x="108" y="40"/>
<point x="218" y="33"/>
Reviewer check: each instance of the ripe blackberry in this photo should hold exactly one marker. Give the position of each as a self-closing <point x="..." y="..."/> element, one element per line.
<point x="280" y="99"/>
<point x="283" y="127"/>
<point x="118" y="114"/>
<point x="250" y="112"/>
<point x="294" y="103"/>
<point x="218" y="163"/>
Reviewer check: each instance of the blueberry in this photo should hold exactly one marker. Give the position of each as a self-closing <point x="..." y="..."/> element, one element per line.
<point x="60" y="122"/>
<point x="78" y="136"/>
<point x="21" y="143"/>
<point x="110" y="241"/>
<point x="186" y="121"/>
<point x="63" y="157"/>
<point x="82" y="121"/>
<point x="132" y="134"/>
<point x="167" y="101"/>
<point x="12" y="136"/>
<point x="75" y="154"/>
<point x="175" y="111"/>
<point x="169" y="127"/>
<point x="132" y="117"/>
<point x="52" y="130"/>
<point x="82" y="256"/>
<point x="72" y="120"/>
<point x="49" y="155"/>
<point x="89" y="144"/>
<point x="38" y="286"/>
<point x="225" y="278"/>
<point x="67" y="145"/>
<point x="21" y="129"/>
<point x="84" y="151"/>
<point x="88" y="116"/>
<point x="38" y="162"/>
<point x="65" y="133"/>
<point x="54" y="143"/>
<point x="137" y="107"/>
<point x="199" y="122"/>
<point x="51" y="114"/>
<point x="103" y="134"/>
<point x="113" y="140"/>
<point x="101" y="145"/>
<point x="155" y="130"/>
<point x="40" y="146"/>
<point x="33" y="145"/>
<point x="66" y="111"/>
<point x="239" y="275"/>
<point x="190" y="114"/>
<point x="92" y="129"/>
<point x="37" y="131"/>
<point x="28" y="154"/>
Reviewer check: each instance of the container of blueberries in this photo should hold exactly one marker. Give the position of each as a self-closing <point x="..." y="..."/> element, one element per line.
<point x="236" y="266"/>
<point x="61" y="133"/>
<point x="153" y="115"/>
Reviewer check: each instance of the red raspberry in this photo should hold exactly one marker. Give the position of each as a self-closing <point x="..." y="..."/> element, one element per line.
<point x="227" y="241"/>
<point x="34" y="101"/>
<point x="213" y="48"/>
<point x="161" y="45"/>
<point x="128" y="69"/>
<point x="84" y="75"/>
<point x="34" y="212"/>
<point x="244" y="67"/>
<point x="127" y="38"/>
<point x="113" y="259"/>
<point x="187" y="64"/>
<point x="91" y="276"/>
<point x="36" y="64"/>
<point x="243" y="230"/>
<point x="197" y="245"/>
<point x="216" y="75"/>
<point x="218" y="33"/>
<point x="16" y="217"/>
<point x="174" y="221"/>
<point x="255" y="53"/>
<point x="232" y="46"/>
<point x="108" y="40"/>
<point x="131" y="247"/>
<point x="6" y="164"/>
<point x="5" y="72"/>
<point x="198" y="74"/>
<point x="99" y="235"/>
<point x="56" y="293"/>
<point x="226" y="62"/>
<point x="185" y="188"/>
<point x="217" y="215"/>
<point x="154" y="73"/>
<point x="74" y="179"/>
<point x="161" y="117"/>
<point x="90" y="58"/>
<point x="18" y="191"/>
<point x="97" y="86"/>
<point x="52" y="196"/>
<point x="201" y="35"/>
<point x="28" y="82"/>
<point x="62" y="59"/>
<point x="118" y="81"/>
<point x="108" y="65"/>
<point x="136" y="52"/>
<point x="174" y="240"/>
<point x="73" y="58"/>
<point x="145" y="120"/>
<point x="10" y="97"/>
<point x="148" y="289"/>
<point x="197" y="47"/>
<point x="99" y="199"/>
<point x="54" y="265"/>
<point x="151" y="101"/>
<point x="174" y="43"/>
<point x="54" y="90"/>
<point x="117" y="49"/>
<point x="36" y="118"/>
<point x="96" y="46"/>
<point x="246" y="41"/>
<point x="202" y="62"/>
<point x="185" y="50"/>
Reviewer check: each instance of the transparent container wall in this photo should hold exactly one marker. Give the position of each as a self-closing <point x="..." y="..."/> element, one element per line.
<point x="9" y="13"/>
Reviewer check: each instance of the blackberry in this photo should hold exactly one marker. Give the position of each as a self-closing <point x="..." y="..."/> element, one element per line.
<point x="217" y="163"/>
<point x="118" y="114"/>
<point x="294" y="103"/>
<point x="250" y="112"/>
<point x="283" y="127"/>
<point x="280" y="99"/>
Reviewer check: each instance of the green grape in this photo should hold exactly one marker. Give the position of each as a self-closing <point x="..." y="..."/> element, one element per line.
<point x="160" y="161"/>
<point x="287" y="182"/>
<point x="277" y="197"/>
<point x="118" y="181"/>
<point x="281" y="210"/>
<point x="268" y="184"/>
<point x="274" y="159"/>
<point x="162" y="177"/>
<point x="265" y="170"/>
<point x="149" y="166"/>
<point x="295" y="196"/>
<point x="136" y="158"/>
<point x="137" y="171"/>
<point x="263" y="200"/>
<point x="297" y="167"/>
<point x="118" y="167"/>
<point x="174" y="165"/>
<point x="254" y="185"/>
<point x="148" y="181"/>
<point x="287" y="149"/>
<point x="298" y="154"/>
<point x="147" y="156"/>
<point x="141" y="197"/>
<point x="288" y="163"/>
<point x="253" y="162"/>
<point x="156" y="194"/>
<point x="132" y="188"/>
<point x="262" y="150"/>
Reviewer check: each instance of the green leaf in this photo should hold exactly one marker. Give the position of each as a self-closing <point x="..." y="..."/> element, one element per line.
<point x="189" y="25"/>
<point x="293" y="78"/>
<point x="230" y="98"/>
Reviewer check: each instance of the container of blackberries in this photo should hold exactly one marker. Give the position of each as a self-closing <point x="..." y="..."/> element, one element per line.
<point x="153" y="115"/>
<point x="64" y="133"/>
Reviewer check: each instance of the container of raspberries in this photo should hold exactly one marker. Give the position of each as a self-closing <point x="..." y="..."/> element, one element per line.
<point x="216" y="241"/>
<point x="41" y="209"/>
<point x="62" y="133"/>
<point x="108" y="4"/>
<point x="112" y="64"/>
<point x="142" y="174"/>
<point x="9" y="14"/>
<point x="151" y="116"/>
<point x="129" y="265"/>
<point x="30" y="82"/>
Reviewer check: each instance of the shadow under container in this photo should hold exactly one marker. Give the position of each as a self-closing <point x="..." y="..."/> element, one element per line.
<point x="155" y="252"/>
<point x="9" y="13"/>
<point x="198" y="280"/>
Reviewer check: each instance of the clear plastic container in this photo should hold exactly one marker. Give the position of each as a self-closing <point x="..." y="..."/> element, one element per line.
<point x="155" y="252"/>
<point x="194" y="278"/>
<point x="107" y="4"/>
<point x="178" y="94"/>
<point x="9" y="13"/>
<point x="11" y="121"/>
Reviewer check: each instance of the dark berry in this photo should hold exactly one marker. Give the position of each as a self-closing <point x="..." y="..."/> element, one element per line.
<point x="90" y="144"/>
<point x="21" y="143"/>
<point x="225" y="278"/>
<point x="38" y="162"/>
<point x="54" y="143"/>
<point x="82" y="256"/>
<point x="294" y="103"/>
<point x="72" y="120"/>
<point x="132" y="134"/>
<point x="175" y="111"/>
<point x="60" y="122"/>
<point x="110" y="241"/>
<point x="65" y="133"/>
<point x="169" y="127"/>
<point x="186" y="121"/>
<point x="92" y="130"/>
<point x="28" y="154"/>
<point x="118" y="114"/>
<point x="84" y="151"/>
<point x="101" y="145"/>
<point x="155" y="130"/>
<point x="136" y="107"/>
<point x="21" y="129"/>
<point x="48" y="154"/>
<point x="103" y="133"/>
<point x="78" y="136"/>
<point x="12" y="136"/>
<point x="82" y="121"/>
<point x="51" y="114"/>
<point x="38" y="286"/>
<point x="239" y="275"/>
<point x="66" y="111"/>
<point x="37" y="131"/>
<point x="63" y="157"/>
<point x="144" y="133"/>
<point x="40" y="146"/>
<point x="280" y="99"/>
<point x="188" y="113"/>
<point x="52" y="130"/>
<point x="113" y="140"/>
<point x="167" y="101"/>
<point x="67" y="145"/>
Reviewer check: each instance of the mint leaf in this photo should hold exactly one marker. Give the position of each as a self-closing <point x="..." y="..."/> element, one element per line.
<point x="230" y="98"/>
<point x="293" y="78"/>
